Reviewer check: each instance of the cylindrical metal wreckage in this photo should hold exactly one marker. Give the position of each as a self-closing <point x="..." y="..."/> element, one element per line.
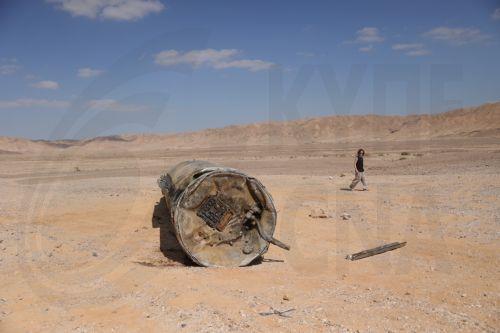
<point x="221" y="216"/>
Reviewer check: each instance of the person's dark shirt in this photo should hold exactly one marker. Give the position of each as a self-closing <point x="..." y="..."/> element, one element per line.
<point x="359" y="164"/>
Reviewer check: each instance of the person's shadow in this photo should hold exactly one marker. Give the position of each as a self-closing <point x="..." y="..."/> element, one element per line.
<point x="169" y="245"/>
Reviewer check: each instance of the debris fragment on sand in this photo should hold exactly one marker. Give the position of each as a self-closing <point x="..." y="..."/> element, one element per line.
<point x="283" y="313"/>
<point x="375" y="251"/>
<point x="345" y="216"/>
<point x="319" y="214"/>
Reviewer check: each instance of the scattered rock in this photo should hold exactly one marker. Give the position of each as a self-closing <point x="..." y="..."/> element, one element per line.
<point x="330" y="177"/>
<point x="94" y="254"/>
<point x="326" y="322"/>
<point x="286" y="298"/>
<point x="342" y="175"/>
<point x="345" y="216"/>
<point x="319" y="214"/>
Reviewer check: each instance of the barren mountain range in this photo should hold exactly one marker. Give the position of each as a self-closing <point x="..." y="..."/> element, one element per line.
<point x="483" y="120"/>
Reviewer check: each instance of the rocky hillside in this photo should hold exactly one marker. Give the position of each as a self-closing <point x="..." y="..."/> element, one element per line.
<point x="483" y="120"/>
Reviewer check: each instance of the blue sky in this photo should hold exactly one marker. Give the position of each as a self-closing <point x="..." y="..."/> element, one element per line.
<point x="82" y="68"/>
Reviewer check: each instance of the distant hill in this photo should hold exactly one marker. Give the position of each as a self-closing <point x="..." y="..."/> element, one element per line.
<point x="478" y="121"/>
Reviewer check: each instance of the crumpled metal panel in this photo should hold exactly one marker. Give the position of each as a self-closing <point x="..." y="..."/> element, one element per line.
<point x="219" y="214"/>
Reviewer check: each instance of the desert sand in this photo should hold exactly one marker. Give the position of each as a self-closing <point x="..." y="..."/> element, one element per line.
<point x="80" y="250"/>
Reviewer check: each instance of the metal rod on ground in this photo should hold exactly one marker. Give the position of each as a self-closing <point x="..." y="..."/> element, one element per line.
<point x="269" y="238"/>
<point x="375" y="251"/>
<point x="277" y="312"/>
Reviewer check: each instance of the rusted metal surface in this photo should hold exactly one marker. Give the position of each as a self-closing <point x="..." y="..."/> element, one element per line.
<point x="221" y="216"/>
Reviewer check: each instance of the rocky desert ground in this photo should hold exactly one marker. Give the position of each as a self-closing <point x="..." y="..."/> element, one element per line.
<point x="79" y="251"/>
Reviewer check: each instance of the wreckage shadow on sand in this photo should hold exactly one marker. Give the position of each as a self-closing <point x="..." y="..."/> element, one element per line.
<point x="169" y="245"/>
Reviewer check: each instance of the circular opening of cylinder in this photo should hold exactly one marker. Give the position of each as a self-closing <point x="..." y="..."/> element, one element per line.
<point x="216" y="218"/>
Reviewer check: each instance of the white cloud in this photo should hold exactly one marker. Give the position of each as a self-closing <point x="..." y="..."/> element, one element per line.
<point x="33" y="103"/>
<point x="418" y="53"/>
<point x="366" y="48"/>
<point x="368" y="35"/>
<point x="113" y="105"/>
<point x="46" y="84"/>
<point x="496" y="14"/>
<point x="118" y="10"/>
<point x="131" y="10"/>
<point x="8" y="69"/>
<point x="406" y="47"/>
<point x="194" y="58"/>
<point x="457" y="36"/>
<point x="218" y="59"/>
<point x="9" y="66"/>
<point x="412" y="49"/>
<point x="251" y="65"/>
<point x="88" y="72"/>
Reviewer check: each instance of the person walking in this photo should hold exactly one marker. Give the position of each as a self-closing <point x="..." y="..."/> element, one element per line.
<point x="359" y="171"/>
